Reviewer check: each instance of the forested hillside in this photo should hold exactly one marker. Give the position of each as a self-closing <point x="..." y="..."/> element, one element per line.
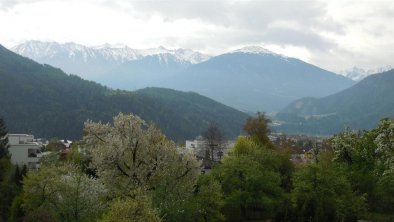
<point x="44" y="101"/>
<point x="359" y="107"/>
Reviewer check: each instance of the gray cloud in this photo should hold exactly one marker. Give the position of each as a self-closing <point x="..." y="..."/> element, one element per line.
<point x="249" y="14"/>
<point x="251" y="20"/>
<point x="305" y="38"/>
<point x="336" y="33"/>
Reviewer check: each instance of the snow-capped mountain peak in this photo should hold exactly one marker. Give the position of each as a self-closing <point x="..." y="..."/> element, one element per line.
<point x="357" y="73"/>
<point x="38" y="50"/>
<point x="115" y="53"/>
<point x="254" y="50"/>
<point x="257" y="50"/>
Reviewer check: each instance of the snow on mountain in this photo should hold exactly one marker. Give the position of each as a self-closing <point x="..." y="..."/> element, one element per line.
<point x="358" y="74"/>
<point x="254" y="50"/>
<point x="39" y="50"/>
<point x="180" y="54"/>
<point x="259" y="51"/>
<point x="115" y="53"/>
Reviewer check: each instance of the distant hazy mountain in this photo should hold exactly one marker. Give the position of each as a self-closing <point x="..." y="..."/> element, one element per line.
<point x="116" y="66"/>
<point x="44" y="101"/>
<point x="358" y="74"/>
<point x="250" y="79"/>
<point x="359" y="107"/>
<point x="255" y="79"/>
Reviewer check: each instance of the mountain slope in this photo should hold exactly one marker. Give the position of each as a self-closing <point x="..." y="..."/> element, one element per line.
<point x="116" y="66"/>
<point x="250" y="79"/>
<point x="44" y="101"/>
<point x="255" y="79"/>
<point x="360" y="106"/>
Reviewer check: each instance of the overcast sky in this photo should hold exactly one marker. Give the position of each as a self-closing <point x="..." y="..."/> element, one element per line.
<point x="332" y="34"/>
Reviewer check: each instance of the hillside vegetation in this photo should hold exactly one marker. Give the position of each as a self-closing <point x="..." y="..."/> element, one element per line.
<point x="359" y="107"/>
<point x="44" y="101"/>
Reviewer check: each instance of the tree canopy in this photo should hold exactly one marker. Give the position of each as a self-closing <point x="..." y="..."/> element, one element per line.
<point x="257" y="128"/>
<point x="131" y="156"/>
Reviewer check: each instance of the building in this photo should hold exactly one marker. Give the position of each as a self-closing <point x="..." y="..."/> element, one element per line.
<point x="195" y="145"/>
<point x="24" y="150"/>
<point x="199" y="147"/>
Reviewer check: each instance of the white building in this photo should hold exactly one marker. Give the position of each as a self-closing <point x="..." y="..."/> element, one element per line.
<point x="195" y="145"/>
<point x="24" y="150"/>
<point x="199" y="146"/>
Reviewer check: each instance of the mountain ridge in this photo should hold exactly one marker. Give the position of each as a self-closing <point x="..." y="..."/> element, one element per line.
<point x="360" y="106"/>
<point x="250" y="79"/>
<point x="119" y="53"/>
<point x="257" y="81"/>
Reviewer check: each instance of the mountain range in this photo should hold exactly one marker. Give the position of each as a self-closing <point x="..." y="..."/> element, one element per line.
<point x="45" y="101"/>
<point x="117" y="66"/>
<point x="358" y="107"/>
<point x="255" y="79"/>
<point x="249" y="79"/>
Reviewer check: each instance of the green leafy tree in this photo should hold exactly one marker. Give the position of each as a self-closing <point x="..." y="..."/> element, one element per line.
<point x="128" y="209"/>
<point x="8" y="189"/>
<point x="257" y="128"/>
<point x="322" y="192"/>
<point x="17" y="213"/>
<point x="250" y="181"/>
<point x="207" y="202"/>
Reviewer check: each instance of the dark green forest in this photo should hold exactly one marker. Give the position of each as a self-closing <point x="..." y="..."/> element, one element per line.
<point x="44" y="101"/>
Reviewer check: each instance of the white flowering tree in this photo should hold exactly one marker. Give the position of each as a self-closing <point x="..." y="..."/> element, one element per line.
<point x="385" y="144"/>
<point x="385" y="164"/>
<point x="130" y="155"/>
<point x="370" y="159"/>
<point x="63" y="191"/>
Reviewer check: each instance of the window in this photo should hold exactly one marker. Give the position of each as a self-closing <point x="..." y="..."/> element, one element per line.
<point x="32" y="152"/>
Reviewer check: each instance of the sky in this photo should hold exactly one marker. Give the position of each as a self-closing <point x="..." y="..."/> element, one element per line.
<point x="332" y="34"/>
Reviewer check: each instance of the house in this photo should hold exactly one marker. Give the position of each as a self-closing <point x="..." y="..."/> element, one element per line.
<point x="201" y="149"/>
<point x="196" y="145"/>
<point x="24" y="150"/>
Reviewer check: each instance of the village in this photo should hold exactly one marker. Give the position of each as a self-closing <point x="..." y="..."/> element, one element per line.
<point x="25" y="149"/>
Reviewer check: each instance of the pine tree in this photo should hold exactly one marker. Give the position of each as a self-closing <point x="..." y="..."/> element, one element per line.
<point x="3" y="140"/>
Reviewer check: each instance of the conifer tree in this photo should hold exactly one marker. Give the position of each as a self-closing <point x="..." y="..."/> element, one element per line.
<point x="3" y="140"/>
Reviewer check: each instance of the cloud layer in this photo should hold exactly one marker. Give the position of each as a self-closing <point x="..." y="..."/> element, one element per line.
<point x="335" y="34"/>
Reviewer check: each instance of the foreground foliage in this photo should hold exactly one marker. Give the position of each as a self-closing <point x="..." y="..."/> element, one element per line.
<point x="369" y="160"/>
<point x="131" y="155"/>
<point x="322" y="192"/>
<point x="63" y="191"/>
<point x="129" y="171"/>
<point x="128" y="209"/>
